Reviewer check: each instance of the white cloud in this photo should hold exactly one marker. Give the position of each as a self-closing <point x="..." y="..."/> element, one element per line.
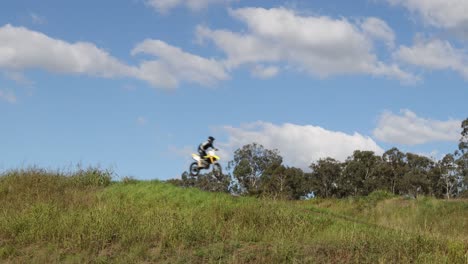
<point x="434" y="54"/>
<point x="164" y="6"/>
<point x="175" y="65"/>
<point x="8" y="96"/>
<point x="449" y="14"/>
<point x="21" y="49"/>
<point x="322" y="46"/>
<point x="37" y="19"/>
<point x="263" y="72"/>
<point x="379" y="30"/>
<point x="241" y="48"/>
<point x="299" y="145"/>
<point x="409" y="129"/>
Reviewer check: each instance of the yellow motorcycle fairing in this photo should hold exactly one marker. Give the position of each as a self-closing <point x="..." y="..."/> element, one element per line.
<point x="211" y="158"/>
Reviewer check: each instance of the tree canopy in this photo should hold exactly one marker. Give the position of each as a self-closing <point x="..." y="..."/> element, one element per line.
<point x="256" y="170"/>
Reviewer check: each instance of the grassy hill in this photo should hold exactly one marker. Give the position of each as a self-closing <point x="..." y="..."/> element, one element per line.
<point x="83" y="217"/>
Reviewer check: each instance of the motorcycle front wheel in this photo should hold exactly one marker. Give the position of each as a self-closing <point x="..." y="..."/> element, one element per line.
<point x="194" y="169"/>
<point x="217" y="172"/>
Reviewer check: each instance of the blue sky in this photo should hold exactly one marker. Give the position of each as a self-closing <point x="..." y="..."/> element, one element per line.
<point x="136" y="85"/>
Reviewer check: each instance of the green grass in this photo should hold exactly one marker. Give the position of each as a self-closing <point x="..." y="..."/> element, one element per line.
<point x="83" y="218"/>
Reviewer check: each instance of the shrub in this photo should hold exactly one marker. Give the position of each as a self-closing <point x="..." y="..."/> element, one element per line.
<point x="92" y="177"/>
<point x="463" y="195"/>
<point x="379" y="195"/>
<point x="129" y="180"/>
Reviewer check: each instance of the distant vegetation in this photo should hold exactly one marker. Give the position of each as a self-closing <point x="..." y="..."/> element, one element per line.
<point x="259" y="172"/>
<point x="367" y="209"/>
<point x="83" y="217"/>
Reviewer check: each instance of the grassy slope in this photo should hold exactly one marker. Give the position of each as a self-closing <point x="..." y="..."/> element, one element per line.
<point x="51" y="218"/>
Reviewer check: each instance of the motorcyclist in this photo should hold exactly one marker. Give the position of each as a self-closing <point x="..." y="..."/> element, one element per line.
<point x="203" y="147"/>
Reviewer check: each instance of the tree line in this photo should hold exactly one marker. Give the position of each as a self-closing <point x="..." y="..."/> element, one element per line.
<point x="255" y="170"/>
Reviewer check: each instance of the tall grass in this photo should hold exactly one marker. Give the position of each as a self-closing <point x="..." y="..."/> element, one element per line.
<point x="439" y="219"/>
<point x="51" y="217"/>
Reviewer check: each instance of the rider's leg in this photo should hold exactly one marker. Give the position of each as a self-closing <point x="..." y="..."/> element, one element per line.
<point x="202" y="157"/>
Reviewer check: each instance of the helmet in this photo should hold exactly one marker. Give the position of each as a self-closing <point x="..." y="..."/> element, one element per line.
<point x="210" y="138"/>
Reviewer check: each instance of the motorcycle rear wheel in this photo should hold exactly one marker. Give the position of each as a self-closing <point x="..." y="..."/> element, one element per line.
<point x="194" y="169"/>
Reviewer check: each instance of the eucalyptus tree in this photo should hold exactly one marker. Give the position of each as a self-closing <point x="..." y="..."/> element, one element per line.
<point x="417" y="177"/>
<point x="325" y="176"/>
<point x="249" y="163"/>
<point x="396" y="161"/>
<point x="462" y="160"/>
<point x="285" y="182"/>
<point x="448" y="177"/>
<point x="360" y="173"/>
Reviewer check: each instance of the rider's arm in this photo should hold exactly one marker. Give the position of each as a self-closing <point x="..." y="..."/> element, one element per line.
<point x="213" y="147"/>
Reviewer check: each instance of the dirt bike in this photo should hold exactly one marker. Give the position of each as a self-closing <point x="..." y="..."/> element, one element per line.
<point x="207" y="161"/>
